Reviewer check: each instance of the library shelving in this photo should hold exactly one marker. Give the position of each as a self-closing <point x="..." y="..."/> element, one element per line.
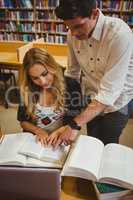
<point x="29" y="20"/>
<point x="17" y="20"/>
<point x="118" y="8"/>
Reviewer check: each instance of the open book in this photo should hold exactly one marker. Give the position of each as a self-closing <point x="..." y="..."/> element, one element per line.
<point x="9" y="155"/>
<point x="90" y="159"/>
<point x="35" y="150"/>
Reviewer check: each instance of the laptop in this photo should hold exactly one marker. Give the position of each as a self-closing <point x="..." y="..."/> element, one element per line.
<point x="18" y="183"/>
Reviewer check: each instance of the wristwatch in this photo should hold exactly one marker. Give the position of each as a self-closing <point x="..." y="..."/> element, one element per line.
<point x="74" y="125"/>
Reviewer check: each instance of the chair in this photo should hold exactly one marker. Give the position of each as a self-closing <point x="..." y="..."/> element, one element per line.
<point x="8" y="79"/>
<point x="130" y="107"/>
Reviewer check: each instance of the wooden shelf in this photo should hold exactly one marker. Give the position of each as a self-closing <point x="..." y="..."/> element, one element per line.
<point x="117" y="11"/>
<point x="15" y="9"/>
<point x="49" y="21"/>
<point x="52" y="33"/>
<point x="19" y="20"/>
<point x="46" y="8"/>
<point x="18" y="32"/>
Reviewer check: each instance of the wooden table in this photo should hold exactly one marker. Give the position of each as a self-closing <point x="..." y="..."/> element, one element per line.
<point x="11" y="55"/>
<point x="62" y="60"/>
<point x="77" y="189"/>
<point x="8" y="60"/>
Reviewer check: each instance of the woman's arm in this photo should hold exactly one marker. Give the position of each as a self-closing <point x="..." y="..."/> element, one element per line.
<point x="39" y="132"/>
<point x="67" y="134"/>
<point x="27" y="125"/>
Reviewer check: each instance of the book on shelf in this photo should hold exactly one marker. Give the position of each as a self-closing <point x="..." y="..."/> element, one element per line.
<point x="106" y="191"/>
<point x="90" y="159"/>
<point x="9" y="155"/>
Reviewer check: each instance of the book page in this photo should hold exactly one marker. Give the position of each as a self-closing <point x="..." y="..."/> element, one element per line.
<point x="9" y="149"/>
<point x="31" y="147"/>
<point x="32" y="162"/>
<point x="36" y="150"/>
<point x="84" y="158"/>
<point x="57" y="155"/>
<point x="117" y="164"/>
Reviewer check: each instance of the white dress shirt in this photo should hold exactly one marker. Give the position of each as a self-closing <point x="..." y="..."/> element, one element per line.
<point x="106" y="59"/>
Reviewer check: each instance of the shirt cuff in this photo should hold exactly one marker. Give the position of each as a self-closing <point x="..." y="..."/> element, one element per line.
<point x="75" y="76"/>
<point x="106" y="98"/>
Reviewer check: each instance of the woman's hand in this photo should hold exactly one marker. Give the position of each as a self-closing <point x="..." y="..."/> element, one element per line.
<point x="41" y="136"/>
<point x="64" y="135"/>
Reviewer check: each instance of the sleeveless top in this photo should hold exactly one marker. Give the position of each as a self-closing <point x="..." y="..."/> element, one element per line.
<point x="47" y="118"/>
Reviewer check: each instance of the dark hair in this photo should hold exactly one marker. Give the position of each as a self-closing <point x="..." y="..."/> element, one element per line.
<point x="69" y="9"/>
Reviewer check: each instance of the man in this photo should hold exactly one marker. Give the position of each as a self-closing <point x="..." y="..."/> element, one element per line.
<point x="102" y="48"/>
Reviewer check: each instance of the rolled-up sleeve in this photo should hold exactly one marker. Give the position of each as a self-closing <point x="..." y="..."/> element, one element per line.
<point x="73" y="69"/>
<point x="112" y="83"/>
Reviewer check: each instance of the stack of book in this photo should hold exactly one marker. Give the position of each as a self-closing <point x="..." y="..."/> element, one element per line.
<point x="105" y="191"/>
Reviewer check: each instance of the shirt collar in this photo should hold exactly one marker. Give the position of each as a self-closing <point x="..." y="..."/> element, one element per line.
<point x="99" y="26"/>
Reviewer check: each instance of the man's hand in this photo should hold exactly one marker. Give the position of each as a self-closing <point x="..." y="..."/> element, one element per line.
<point x="64" y="135"/>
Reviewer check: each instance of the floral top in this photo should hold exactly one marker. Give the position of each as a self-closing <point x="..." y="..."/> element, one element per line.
<point x="48" y="118"/>
<point x="45" y="117"/>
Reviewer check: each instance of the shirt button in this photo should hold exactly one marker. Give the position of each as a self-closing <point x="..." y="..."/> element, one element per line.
<point x="98" y="59"/>
<point x="91" y="58"/>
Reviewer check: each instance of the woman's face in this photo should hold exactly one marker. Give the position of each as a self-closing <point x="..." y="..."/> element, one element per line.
<point x="41" y="76"/>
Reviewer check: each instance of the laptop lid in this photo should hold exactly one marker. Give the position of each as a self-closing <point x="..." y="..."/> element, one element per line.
<point x="18" y="183"/>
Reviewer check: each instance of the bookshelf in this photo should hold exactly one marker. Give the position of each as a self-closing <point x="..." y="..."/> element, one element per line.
<point x="17" y="20"/>
<point x="47" y="24"/>
<point x="28" y="20"/>
<point x="118" y="8"/>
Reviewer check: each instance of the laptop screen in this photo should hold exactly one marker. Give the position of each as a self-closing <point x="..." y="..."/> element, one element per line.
<point x="18" y="183"/>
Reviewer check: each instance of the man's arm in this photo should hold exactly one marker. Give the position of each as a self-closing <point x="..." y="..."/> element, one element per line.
<point x="66" y="134"/>
<point x="92" y="110"/>
<point x="27" y="124"/>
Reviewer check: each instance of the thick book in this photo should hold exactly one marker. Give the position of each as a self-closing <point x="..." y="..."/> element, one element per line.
<point x="106" y="191"/>
<point x="9" y="152"/>
<point x="90" y="159"/>
<point x="35" y="150"/>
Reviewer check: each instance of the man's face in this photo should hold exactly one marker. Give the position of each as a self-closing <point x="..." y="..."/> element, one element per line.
<point x="81" y="27"/>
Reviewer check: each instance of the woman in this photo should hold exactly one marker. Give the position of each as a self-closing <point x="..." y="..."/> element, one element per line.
<point x="42" y="95"/>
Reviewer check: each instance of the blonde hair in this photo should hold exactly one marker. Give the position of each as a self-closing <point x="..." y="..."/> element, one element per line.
<point x="40" y="56"/>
